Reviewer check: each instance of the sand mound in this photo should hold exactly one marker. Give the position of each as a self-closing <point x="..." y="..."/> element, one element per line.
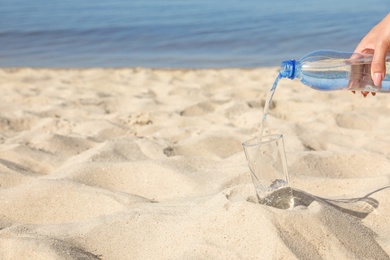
<point x="148" y="164"/>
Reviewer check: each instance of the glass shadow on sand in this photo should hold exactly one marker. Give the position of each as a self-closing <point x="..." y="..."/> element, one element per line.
<point x="357" y="207"/>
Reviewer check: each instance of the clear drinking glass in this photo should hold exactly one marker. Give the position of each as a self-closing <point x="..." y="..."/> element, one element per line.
<point x="268" y="165"/>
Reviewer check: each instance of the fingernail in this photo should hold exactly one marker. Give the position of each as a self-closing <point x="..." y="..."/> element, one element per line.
<point x="377" y="79"/>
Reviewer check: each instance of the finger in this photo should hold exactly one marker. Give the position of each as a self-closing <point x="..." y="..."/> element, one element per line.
<point x="378" y="68"/>
<point x="355" y="76"/>
<point x="365" y="46"/>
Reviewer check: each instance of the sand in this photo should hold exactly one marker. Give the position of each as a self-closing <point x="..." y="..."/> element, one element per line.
<point x="148" y="164"/>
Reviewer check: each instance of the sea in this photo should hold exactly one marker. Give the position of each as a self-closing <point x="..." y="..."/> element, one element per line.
<point x="178" y="33"/>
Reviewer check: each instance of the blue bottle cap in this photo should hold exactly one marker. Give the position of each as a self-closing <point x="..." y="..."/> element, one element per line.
<point x="287" y="69"/>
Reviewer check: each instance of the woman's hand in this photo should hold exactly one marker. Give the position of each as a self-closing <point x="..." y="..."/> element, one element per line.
<point x="377" y="41"/>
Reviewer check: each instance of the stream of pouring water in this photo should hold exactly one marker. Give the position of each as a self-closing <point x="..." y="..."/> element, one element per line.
<point x="268" y="102"/>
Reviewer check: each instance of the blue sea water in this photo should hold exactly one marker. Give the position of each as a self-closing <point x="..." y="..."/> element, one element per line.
<point x="178" y="33"/>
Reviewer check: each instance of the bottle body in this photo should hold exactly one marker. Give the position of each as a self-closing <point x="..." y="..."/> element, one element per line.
<point x="331" y="70"/>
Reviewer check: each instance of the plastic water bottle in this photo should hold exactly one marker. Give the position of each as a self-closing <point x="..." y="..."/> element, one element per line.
<point x="332" y="70"/>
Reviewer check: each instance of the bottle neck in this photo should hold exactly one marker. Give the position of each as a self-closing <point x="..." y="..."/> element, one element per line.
<point x="287" y="69"/>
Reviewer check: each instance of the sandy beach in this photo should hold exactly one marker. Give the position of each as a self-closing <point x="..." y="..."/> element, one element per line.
<point x="148" y="164"/>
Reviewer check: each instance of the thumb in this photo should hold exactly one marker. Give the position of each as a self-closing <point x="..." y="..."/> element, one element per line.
<point x="378" y="67"/>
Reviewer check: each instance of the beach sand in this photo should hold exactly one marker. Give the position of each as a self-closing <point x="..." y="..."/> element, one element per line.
<point x="148" y="164"/>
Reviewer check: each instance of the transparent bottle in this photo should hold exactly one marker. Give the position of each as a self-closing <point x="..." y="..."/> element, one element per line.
<point x="332" y="70"/>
